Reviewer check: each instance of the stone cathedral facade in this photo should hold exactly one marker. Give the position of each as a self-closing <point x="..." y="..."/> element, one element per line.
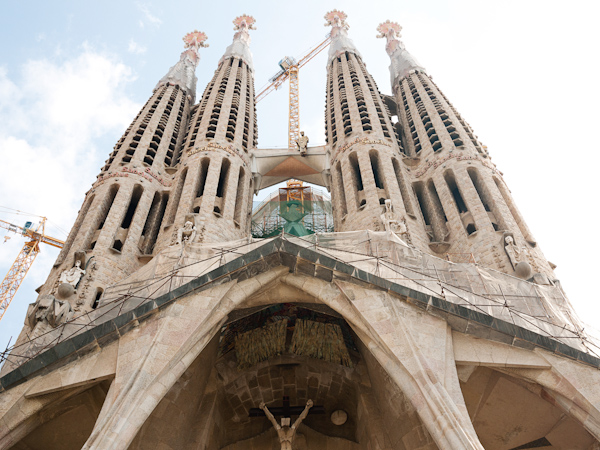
<point x="429" y="319"/>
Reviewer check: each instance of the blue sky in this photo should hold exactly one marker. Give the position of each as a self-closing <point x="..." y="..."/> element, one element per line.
<point x="523" y="73"/>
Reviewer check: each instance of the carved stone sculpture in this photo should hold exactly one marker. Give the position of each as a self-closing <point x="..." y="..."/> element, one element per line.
<point x="391" y="221"/>
<point x="187" y="233"/>
<point x="48" y="310"/>
<point x="285" y="432"/>
<point x="517" y="257"/>
<point x="302" y="143"/>
<point x="73" y="275"/>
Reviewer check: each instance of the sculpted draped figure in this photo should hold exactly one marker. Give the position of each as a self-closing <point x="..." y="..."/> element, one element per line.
<point x="285" y="432"/>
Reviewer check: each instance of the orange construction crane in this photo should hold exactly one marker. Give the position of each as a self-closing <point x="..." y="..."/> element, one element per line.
<point x="289" y="69"/>
<point x="26" y="256"/>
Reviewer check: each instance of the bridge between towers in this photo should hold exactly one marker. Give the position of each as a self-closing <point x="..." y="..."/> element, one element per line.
<point x="272" y="166"/>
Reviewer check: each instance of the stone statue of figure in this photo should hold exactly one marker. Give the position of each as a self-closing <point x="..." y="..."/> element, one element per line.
<point x="187" y="233"/>
<point x="391" y="221"/>
<point x="302" y="143"/>
<point x="513" y="252"/>
<point x="48" y="310"/>
<point x="73" y="275"/>
<point x="285" y="432"/>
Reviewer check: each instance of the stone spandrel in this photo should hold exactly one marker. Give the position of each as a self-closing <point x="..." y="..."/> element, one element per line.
<point x="183" y="73"/>
<point x="402" y="62"/>
<point x="240" y="47"/>
<point x="340" y="42"/>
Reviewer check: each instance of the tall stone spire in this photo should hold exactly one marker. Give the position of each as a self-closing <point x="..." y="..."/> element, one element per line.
<point x="464" y="204"/>
<point x="340" y="42"/>
<point x="183" y="74"/>
<point x="402" y="62"/>
<point x="240" y="47"/>
<point x="212" y="190"/>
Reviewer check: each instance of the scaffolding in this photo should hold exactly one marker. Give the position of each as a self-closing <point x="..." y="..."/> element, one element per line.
<point x="314" y="204"/>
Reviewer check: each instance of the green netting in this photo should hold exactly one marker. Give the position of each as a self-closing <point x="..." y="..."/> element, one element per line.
<point x="299" y="217"/>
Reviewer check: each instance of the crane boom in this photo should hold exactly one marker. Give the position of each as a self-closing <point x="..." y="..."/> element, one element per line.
<point x="290" y="68"/>
<point x="13" y="279"/>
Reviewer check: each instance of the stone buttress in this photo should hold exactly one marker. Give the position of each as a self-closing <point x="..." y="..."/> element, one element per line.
<point x="462" y="200"/>
<point x="213" y="188"/>
<point x="366" y="154"/>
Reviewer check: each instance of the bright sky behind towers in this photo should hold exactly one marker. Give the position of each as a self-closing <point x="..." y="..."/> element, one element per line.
<point x="523" y="73"/>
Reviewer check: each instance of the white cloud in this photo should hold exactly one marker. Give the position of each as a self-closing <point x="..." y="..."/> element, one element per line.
<point x="136" y="48"/>
<point x="148" y="17"/>
<point x="53" y="120"/>
<point x="50" y="117"/>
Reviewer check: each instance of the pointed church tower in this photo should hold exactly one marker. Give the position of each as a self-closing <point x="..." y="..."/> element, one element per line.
<point x="464" y="203"/>
<point x="119" y="221"/>
<point x="213" y="189"/>
<point x="366" y="153"/>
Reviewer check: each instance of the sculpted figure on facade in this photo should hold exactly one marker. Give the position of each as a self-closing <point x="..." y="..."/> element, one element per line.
<point x="73" y="275"/>
<point x="285" y="432"/>
<point x="391" y="221"/>
<point x="48" y="311"/>
<point x="302" y="143"/>
<point x="187" y="233"/>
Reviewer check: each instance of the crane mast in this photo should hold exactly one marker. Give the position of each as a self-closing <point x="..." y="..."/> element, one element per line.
<point x="290" y="68"/>
<point x="17" y="272"/>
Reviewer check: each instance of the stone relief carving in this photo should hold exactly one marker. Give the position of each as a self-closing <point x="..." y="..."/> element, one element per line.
<point x="47" y="310"/>
<point x="391" y="220"/>
<point x="285" y="432"/>
<point x="72" y="275"/>
<point x="187" y="233"/>
<point x="517" y="256"/>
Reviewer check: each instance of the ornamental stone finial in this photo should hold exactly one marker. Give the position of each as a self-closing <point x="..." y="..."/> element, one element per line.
<point x="240" y="48"/>
<point x="183" y="74"/>
<point x="402" y="62"/>
<point x="336" y="19"/>
<point x="244" y="23"/>
<point x="390" y="31"/>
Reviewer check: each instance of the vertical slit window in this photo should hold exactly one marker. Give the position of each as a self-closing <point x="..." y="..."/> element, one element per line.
<point x="123" y="231"/>
<point x="461" y="206"/>
<point x="222" y="187"/>
<point x="403" y="189"/>
<point x="201" y="184"/>
<point x="377" y="170"/>
<point x="105" y="208"/>
<point x="177" y="196"/>
<point x="153" y="221"/>
<point x="340" y="189"/>
<point x="486" y="199"/>
<point x="239" y="199"/>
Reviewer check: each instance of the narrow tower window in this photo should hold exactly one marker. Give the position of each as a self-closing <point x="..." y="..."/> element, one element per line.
<point x="203" y="173"/>
<point x="176" y="197"/>
<point x="239" y="199"/>
<point x="461" y="206"/>
<point x="486" y="199"/>
<point x="105" y="208"/>
<point x="153" y="221"/>
<point x="340" y="190"/>
<point x="123" y="231"/>
<point x="403" y="189"/>
<point x="222" y="187"/>
<point x="357" y="178"/>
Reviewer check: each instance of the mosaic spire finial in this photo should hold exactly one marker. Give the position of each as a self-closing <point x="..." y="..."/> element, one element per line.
<point x="402" y="62"/>
<point x="390" y="31"/>
<point x="244" y="23"/>
<point x="195" y="40"/>
<point x="240" y="47"/>
<point x="336" y="19"/>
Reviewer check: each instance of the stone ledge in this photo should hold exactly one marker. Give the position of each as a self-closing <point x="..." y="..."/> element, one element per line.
<point x="311" y="263"/>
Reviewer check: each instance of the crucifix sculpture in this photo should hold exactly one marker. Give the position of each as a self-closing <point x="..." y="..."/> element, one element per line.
<point x="285" y="432"/>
